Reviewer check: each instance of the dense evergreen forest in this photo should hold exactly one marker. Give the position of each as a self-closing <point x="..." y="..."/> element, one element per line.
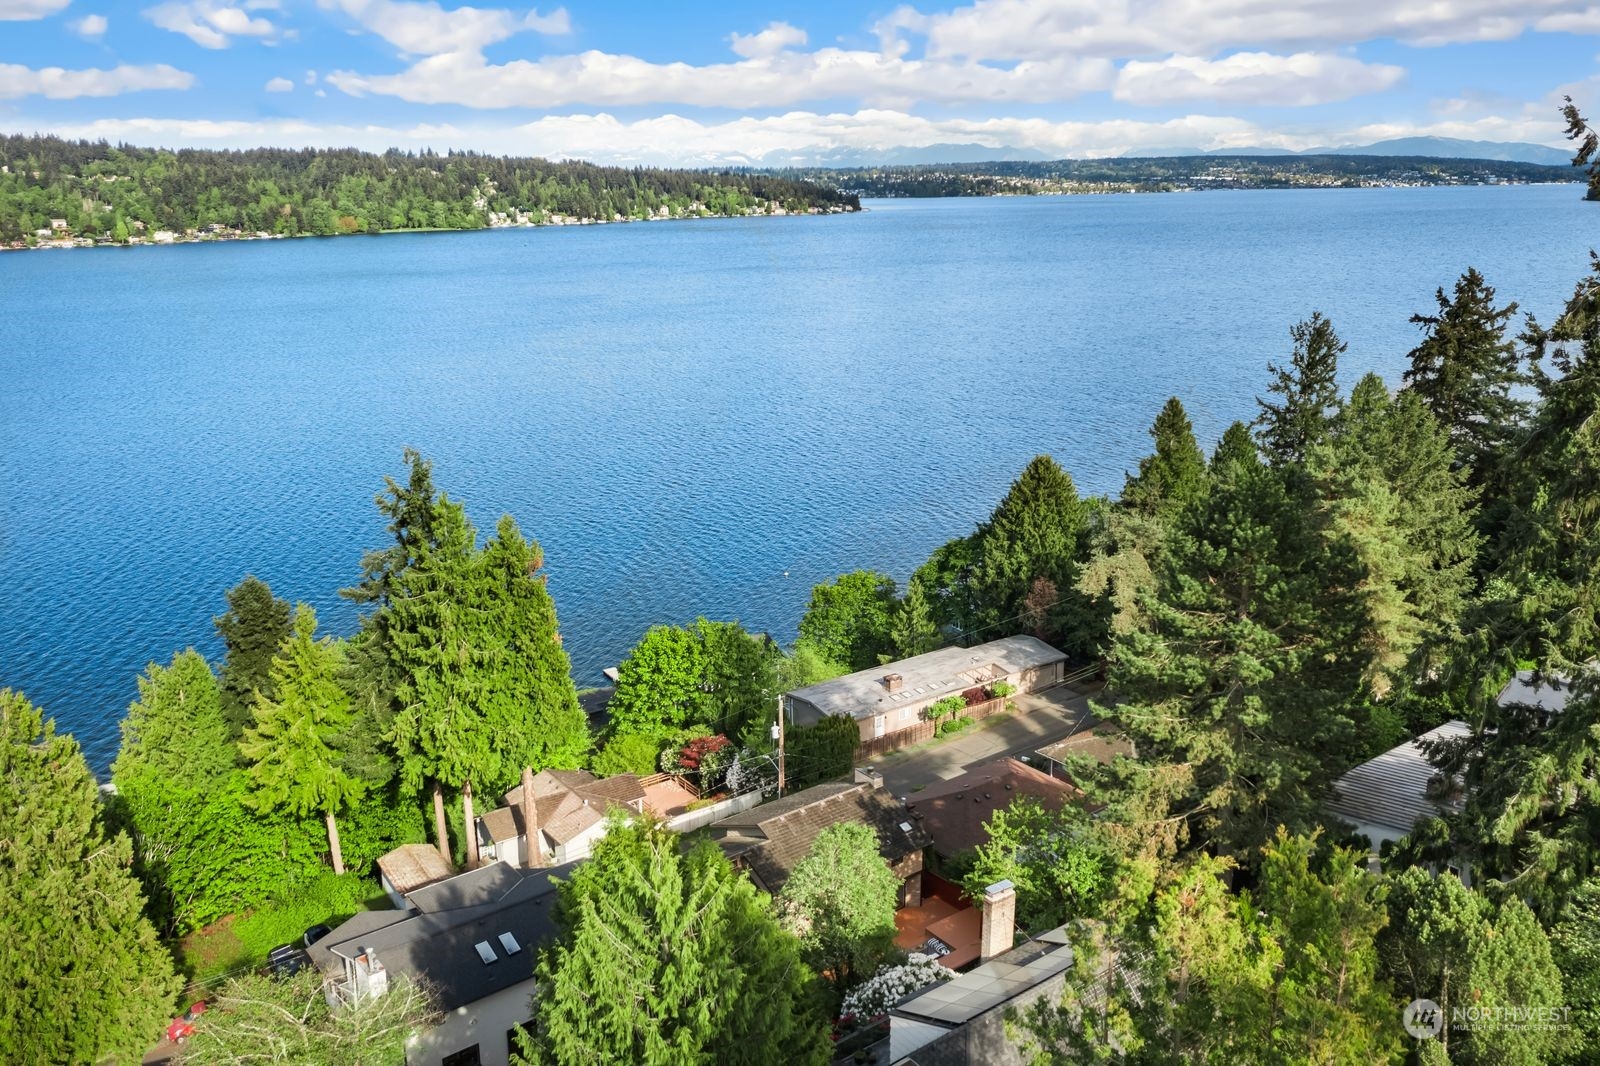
<point x="107" y="192"/>
<point x="1172" y="174"/>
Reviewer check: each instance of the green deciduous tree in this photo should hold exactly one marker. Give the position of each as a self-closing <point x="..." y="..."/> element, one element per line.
<point x="660" y="684"/>
<point x="1466" y="370"/>
<point x="1175" y="474"/>
<point x="1309" y="393"/>
<point x="252" y="631"/>
<point x="1061" y="865"/>
<point x="85" y="978"/>
<point x="946" y="579"/>
<point x="293" y="744"/>
<point x="740" y="679"/>
<point x="840" y="901"/>
<point x="262" y="1019"/>
<point x="671" y="959"/>
<point x="849" y="619"/>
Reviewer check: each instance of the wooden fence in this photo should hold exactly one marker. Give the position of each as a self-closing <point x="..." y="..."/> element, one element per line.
<point x="922" y="730"/>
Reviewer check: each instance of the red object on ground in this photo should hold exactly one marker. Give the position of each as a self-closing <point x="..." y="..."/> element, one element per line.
<point x="182" y="1028"/>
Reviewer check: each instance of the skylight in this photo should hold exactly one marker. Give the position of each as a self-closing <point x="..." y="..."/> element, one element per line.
<point x="485" y="952"/>
<point x="509" y="943"/>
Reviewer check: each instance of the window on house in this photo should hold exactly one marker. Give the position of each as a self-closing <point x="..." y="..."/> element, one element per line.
<point x="467" y="1056"/>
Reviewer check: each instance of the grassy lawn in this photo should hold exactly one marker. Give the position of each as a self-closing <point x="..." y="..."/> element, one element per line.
<point x="244" y="941"/>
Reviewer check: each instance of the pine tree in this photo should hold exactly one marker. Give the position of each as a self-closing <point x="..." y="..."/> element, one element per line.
<point x="1390" y="486"/>
<point x="1309" y="392"/>
<point x="86" y="979"/>
<point x="914" y="631"/>
<point x="840" y="901"/>
<point x="414" y="512"/>
<point x="1245" y="681"/>
<point x="1588" y="142"/>
<point x="252" y="630"/>
<point x="1033" y="533"/>
<point x="532" y="705"/>
<point x="1466" y="370"/>
<point x="670" y="959"/>
<point x="1176" y="474"/>
<point x="292" y="745"/>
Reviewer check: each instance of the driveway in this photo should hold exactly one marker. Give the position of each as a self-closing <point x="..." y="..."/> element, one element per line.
<point x="1040" y="718"/>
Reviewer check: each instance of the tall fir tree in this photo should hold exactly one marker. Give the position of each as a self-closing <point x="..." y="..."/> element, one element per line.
<point x="85" y="978"/>
<point x="1588" y="142"/>
<point x="1467" y="370"/>
<point x="914" y="632"/>
<point x="1308" y="391"/>
<point x="252" y="630"/>
<point x="1033" y="534"/>
<point x="1389" y="484"/>
<point x="1245" y="681"/>
<point x="413" y="510"/>
<point x="293" y="743"/>
<point x="1175" y="475"/>
<point x="667" y="958"/>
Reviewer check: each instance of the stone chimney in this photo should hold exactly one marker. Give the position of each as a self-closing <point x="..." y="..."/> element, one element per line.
<point x="532" y="852"/>
<point x="892" y="682"/>
<point x="869" y="775"/>
<point x="999" y="920"/>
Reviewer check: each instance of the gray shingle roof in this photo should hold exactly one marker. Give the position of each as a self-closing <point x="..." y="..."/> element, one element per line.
<point x="1392" y="789"/>
<point x="435" y="942"/>
<point x="924" y="677"/>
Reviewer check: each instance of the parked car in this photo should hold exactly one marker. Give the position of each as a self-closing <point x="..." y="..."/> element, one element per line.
<point x="287" y="960"/>
<point x="316" y="933"/>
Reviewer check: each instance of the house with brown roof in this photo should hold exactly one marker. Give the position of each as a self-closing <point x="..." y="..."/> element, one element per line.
<point x="571" y="807"/>
<point x="410" y="867"/>
<point x="953" y="813"/>
<point x="769" y="841"/>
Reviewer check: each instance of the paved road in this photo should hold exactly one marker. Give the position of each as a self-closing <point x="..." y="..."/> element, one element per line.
<point x="1040" y="718"/>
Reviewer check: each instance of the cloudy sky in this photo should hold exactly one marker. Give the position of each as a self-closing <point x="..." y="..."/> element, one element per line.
<point x="680" y="81"/>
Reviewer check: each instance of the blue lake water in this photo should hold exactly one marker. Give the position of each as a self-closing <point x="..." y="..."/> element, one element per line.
<point x="692" y="418"/>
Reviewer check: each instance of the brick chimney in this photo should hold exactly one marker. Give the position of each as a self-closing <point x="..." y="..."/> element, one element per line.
<point x="999" y="920"/>
<point x="892" y="682"/>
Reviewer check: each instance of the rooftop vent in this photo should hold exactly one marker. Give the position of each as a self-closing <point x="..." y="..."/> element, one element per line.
<point x="485" y="952"/>
<point x="892" y="682"/>
<point x="905" y="827"/>
<point x="509" y="943"/>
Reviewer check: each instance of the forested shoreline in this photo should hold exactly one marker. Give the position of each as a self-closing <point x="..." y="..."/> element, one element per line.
<point x="53" y="189"/>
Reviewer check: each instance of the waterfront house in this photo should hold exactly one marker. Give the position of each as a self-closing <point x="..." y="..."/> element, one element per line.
<point x="769" y="841"/>
<point x="571" y="807"/>
<point x="891" y="699"/>
<point x="471" y="939"/>
<point x="1385" y="797"/>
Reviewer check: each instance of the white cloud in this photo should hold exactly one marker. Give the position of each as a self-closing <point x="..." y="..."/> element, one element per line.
<point x="1299" y="80"/>
<point x="425" y="28"/>
<point x="311" y="77"/>
<point x="604" y="80"/>
<point x="775" y="38"/>
<point x="280" y="85"/>
<point x="90" y="26"/>
<point x="27" y="10"/>
<point x="56" y="83"/>
<point x="212" y="24"/>
<point x="1582" y="22"/>
<point x="1022" y="29"/>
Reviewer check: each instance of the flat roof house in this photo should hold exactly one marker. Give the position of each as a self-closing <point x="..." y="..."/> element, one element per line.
<point x="890" y="699"/>
<point x="1385" y="797"/>
<point x="471" y="938"/>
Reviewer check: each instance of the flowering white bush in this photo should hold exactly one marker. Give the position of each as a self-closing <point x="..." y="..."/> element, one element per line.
<point x="752" y="772"/>
<point x="892" y="984"/>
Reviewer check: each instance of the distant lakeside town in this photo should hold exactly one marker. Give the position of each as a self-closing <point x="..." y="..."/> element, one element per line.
<point x="58" y="194"/>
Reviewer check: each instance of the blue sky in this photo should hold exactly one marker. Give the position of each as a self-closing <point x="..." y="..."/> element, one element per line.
<point x="680" y="82"/>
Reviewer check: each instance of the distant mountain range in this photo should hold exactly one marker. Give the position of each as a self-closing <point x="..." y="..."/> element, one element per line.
<point x="1434" y="147"/>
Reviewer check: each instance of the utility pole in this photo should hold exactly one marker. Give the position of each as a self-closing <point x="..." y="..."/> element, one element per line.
<point x="777" y="733"/>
